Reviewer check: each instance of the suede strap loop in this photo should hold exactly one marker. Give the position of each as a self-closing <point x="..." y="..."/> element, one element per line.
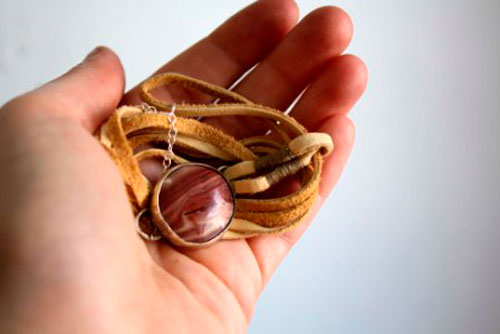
<point x="254" y="164"/>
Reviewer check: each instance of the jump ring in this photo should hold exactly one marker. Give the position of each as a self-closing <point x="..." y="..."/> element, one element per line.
<point x="144" y="235"/>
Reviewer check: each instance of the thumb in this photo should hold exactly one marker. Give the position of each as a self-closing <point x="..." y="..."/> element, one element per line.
<point x="89" y="92"/>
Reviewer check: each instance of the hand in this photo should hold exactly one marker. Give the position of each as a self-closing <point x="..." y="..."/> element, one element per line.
<point x="71" y="261"/>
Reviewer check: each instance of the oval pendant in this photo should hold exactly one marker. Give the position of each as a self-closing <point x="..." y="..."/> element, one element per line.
<point x="193" y="204"/>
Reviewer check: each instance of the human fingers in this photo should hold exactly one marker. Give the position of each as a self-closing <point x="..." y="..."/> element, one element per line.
<point x="233" y="48"/>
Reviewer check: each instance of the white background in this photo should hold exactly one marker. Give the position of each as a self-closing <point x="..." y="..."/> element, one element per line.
<point x="409" y="240"/>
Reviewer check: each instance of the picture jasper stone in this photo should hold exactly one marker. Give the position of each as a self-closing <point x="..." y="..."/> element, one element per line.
<point x="196" y="201"/>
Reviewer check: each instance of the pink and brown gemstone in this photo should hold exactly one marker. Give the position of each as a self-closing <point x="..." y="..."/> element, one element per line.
<point x="193" y="204"/>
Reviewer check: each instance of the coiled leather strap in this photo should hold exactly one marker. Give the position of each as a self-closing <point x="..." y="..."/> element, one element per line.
<point x="254" y="164"/>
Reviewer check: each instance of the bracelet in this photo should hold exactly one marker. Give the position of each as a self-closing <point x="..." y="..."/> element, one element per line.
<point x="213" y="186"/>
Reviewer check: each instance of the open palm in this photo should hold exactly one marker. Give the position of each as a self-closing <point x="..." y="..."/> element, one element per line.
<point x="71" y="259"/>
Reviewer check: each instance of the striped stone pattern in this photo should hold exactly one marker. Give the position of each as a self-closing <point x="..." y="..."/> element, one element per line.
<point x="196" y="202"/>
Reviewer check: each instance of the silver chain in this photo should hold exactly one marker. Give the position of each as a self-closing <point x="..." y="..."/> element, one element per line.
<point x="171" y="134"/>
<point x="154" y="235"/>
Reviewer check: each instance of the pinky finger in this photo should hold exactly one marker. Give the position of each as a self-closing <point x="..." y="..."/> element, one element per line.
<point x="269" y="250"/>
<point x="341" y="129"/>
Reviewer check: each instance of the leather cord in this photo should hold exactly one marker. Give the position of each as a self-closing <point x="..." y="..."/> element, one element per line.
<point x="254" y="164"/>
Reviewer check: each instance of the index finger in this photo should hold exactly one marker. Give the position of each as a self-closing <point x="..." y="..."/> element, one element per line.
<point x="233" y="48"/>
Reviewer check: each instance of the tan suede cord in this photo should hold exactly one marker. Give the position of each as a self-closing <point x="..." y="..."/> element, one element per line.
<point x="253" y="164"/>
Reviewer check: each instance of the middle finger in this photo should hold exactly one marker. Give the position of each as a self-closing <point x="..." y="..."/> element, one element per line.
<point x="321" y="36"/>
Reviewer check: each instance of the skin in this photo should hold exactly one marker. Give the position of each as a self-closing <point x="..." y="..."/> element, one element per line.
<point x="71" y="261"/>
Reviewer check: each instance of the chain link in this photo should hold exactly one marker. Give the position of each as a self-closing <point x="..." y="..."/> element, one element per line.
<point x="147" y="108"/>
<point x="171" y="134"/>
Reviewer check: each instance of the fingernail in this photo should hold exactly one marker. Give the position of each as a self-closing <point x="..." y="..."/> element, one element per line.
<point x="94" y="53"/>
